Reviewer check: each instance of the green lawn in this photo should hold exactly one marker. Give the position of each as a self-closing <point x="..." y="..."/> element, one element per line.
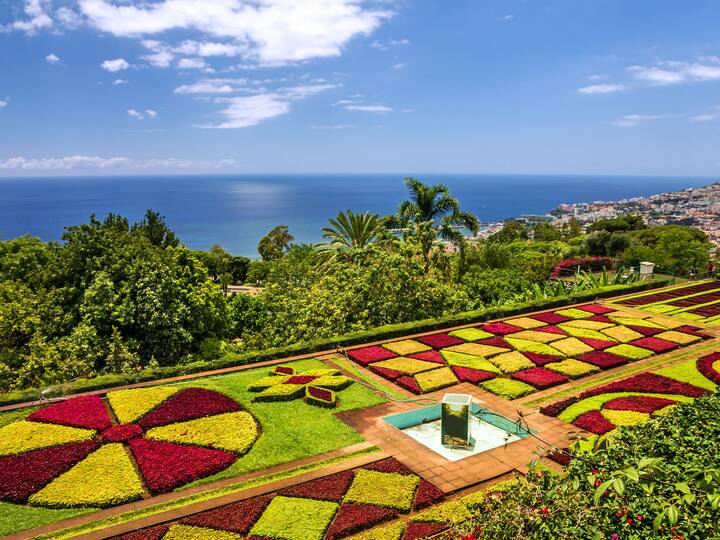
<point x="290" y="431"/>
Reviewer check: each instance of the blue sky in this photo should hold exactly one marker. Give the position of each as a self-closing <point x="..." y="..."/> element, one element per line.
<point x="486" y="86"/>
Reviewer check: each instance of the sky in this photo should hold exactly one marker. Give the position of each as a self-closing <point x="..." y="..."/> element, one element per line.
<point x="321" y="86"/>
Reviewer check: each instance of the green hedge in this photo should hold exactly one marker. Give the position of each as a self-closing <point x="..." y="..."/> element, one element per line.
<point x="348" y="340"/>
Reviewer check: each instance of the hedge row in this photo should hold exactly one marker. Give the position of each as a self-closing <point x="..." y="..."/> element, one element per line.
<point x="356" y="338"/>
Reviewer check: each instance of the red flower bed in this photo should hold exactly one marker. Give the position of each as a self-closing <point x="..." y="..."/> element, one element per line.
<point x="429" y="356"/>
<point x="417" y="530"/>
<point x="541" y="359"/>
<point x="320" y="393"/>
<point x="300" y="379"/>
<point x="496" y="341"/>
<point x="560" y="457"/>
<point x="189" y="404"/>
<point x="156" y="533"/>
<point x="237" y="517"/>
<point x="597" y="309"/>
<point x="284" y="370"/>
<point x="329" y="488"/>
<point x="408" y="383"/>
<point x="385" y="372"/>
<point x="598" y="344"/>
<point x="426" y="495"/>
<point x="500" y="328"/>
<point x="650" y="383"/>
<point x="594" y="422"/>
<point x="165" y="466"/>
<point x="22" y="475"/>
<point x="655" y="344"/>
<point x="552" y="329"/>
<point x="389" y="465"/>
<point x="694" y="330"/>
<point x="353" y="518"/>
<point x="368" y="355"/>
<point x="439" y="341"/>
<point x="87" y="412"/>
<point x="550" y="318"/>
<point x="121" y="433"/>
<point x="643" y="404"/>
<point x="568" y="267"/>
<point x="645" y="331"/>
<point x="601" y="318"/>
<point x="539" y="377"/>
<point x="705" y="366"/>
<point x="603" y="360"/>
<point x="559" y="406"/>
<point x="470" y="375"/>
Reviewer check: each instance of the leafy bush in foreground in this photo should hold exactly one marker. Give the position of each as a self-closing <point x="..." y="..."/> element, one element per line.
<point x="657" y="480"/>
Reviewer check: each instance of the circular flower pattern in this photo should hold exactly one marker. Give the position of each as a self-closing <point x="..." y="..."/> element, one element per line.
<point x="93" y="452"/>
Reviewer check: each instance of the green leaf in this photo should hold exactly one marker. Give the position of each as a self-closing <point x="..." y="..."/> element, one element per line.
<point x="632" y="474"/>
<point x="658" y="520"/>
<point x="682" y="487"/>
<point x="618" y="486"/>
<point x="673" y="514"/>
<point x="601" y="489"/>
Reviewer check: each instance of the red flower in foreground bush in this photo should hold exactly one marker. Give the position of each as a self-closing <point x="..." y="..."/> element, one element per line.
<point x="705" y="366"/>
<point x="237" y="517"/>
<point x="470" y="375"/>
<point x="352" y="518"/>
<point x="439" y="341"/>
<point x="643" y="404"/>
<point x="329" y="488"/>
<point x="560" y="457"/>
<point x="539" y="377"/>
<point x="21" y="475"/>
<point x="594" y="422"/>
<point x="500" y="328"/>
<point x="368" y="355"/>
<point x="189" y="404"/>
<point x="165" y="466"/>
<point x="87" y="412"/>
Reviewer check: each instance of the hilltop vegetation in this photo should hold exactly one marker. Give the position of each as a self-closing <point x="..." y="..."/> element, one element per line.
<point x="117" y="297"/>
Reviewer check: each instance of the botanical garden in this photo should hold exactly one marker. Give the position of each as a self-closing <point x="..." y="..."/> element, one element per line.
<point x="142" y="400"/>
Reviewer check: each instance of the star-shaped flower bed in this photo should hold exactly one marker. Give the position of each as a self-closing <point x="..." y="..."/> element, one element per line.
<point x="316" y="387"/>
<point x="93" y="452"/>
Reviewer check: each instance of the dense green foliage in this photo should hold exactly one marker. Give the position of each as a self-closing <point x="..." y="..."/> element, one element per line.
<point x="657" y="480"/>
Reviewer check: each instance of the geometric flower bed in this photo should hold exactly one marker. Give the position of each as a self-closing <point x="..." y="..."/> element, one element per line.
<point x="521" y="355"/>
<point x="316" y="387"/>
<point x="90" y="452"/>
<point x="635" y="399"/>
<point x="332" y="507"/>
<point x="699" y="302"/>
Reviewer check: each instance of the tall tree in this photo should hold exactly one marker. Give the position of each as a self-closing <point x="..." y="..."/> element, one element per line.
<point x="432" y="212"/>
<point x="349" y="230"/>
<point x="275" y="243"/>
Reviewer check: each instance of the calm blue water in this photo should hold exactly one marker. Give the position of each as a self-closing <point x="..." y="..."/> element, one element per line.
<point x="235" y="211"/>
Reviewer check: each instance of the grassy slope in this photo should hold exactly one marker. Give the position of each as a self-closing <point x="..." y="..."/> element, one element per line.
<point x="290" y="431"/>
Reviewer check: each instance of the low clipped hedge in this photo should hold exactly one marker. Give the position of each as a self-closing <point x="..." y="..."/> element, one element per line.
<point x="309" y="347"/>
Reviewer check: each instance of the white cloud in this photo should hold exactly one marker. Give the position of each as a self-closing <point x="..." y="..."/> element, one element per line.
<point x="37" y="18"/>
<point x="161" y="55"/>
<point x="68" y="18"/>
<point x="598" y="77"/>
<point x="601" y="89"/>
<point x="207" y="86"/>
<point x="375" y="109"/>
<point x="398" y="66"/>
<point x="119" y="64"/>
<point x="151" y="113"/>
<point x="79" y="162"/>
<point x="193" y="63"/>
<point x="135" y="114"/>
<point x="632" y="120"/>
<point x="671" y="72"/>
<point x="332" y="127"/>
<point x="270" y="32"/>
<point x="246" y="111"/>
<point x="209" y="48"/>
<point x="508" y="17"/>
<point x="4" y="102"/>
<point x="707" y="117"/>
<point x="52" y="58"/>
<point x="117" y="82"/>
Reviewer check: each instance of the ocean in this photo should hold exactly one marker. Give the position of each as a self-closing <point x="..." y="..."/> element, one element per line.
<point x="235" y="211"/>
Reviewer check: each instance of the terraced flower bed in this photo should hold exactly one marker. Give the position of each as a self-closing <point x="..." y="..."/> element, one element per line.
<point x="93" y="452"/>
<point x="635" y="399"/>
<point x="517" y="356"/>
<point x="332" y="507"/>
<point x="316" y="387"/>
<point x="698" y="302"/>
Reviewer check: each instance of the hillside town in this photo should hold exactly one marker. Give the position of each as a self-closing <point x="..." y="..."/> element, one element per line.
<point x="696" y="207"/>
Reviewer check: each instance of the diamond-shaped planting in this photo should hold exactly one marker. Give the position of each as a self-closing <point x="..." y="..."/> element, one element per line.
<point x="288" y="518"/>
<point x="407" y="346"/>
<point x="390" y="490"/>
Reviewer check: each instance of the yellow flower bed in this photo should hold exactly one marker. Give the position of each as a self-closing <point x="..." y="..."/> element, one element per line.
<point x="468" y="361"/>
<point x="526" y="322"/>
<point x="407" y="366"/>
<point x="511" y="362"/>
<point x="406" y="346"/>
<point x="476" y="349"/>
<point x="105" y="478"/>
<point x="471" y="334"/>
<point x="23" y="436"/>
<point x="266" y="382"/>
<point x="391" y="490"/>
<point x="574" y="313"/>
<point x="630" y="351"/>
<point x="534" y="335"/>
<point x="636" y="321"/>
<point x="625" y="418"/>
<point x="429" y="381"/>
<point x="571" y="346"/>
<point x="621" y="333"/>
<point x="129" y="405"/>
<point x="678" y="337"/>
<point x="333" y="382"/>
<point x="583" y="323"/>
<point x="234" y="432"/>
<point x="572" y="368"/>
<point x="586" y="333"/>
<point x="523" y="345"/>
<point x="187" y="532"/>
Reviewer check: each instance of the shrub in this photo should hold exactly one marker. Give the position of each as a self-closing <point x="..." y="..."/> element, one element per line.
<point x="550" y="317"/>
<point x="507" y="388"/>
<point x="129" y="405"/>
<point x="642" y="404"/>
<point x="572" y="368"/>
<point x="390" y="490"/>
<point x="105" y="478"/>
<point x="571" y="266"/>
<point x="589" y="324"/>
<point x="429" y="356"/>
<point x="408" y="383"/>
<point x="429" y="381"/>
<point x="282" y="370"/>
<point x="626" y="418"/>
<point x="708" y="366"/>
<point x="594" y="422"/>
<point x="394" y="531"/>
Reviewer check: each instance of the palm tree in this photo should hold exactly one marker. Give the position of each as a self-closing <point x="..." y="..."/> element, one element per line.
<point x="349" y="230"/>
<point x="432" y="212"/>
